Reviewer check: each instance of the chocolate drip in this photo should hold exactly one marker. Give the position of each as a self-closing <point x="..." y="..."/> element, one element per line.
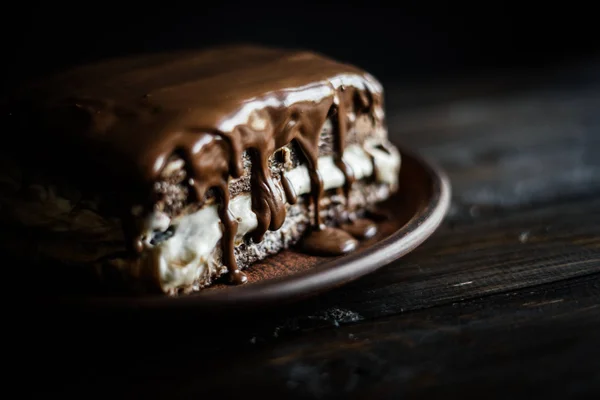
<point x="328" y="242"/>
<point x="267" y="199"/>
<point x="355" y="101"/>
<point x="230" y="226"/>
<point x="360" y="228"/>
<point x="288" y="189"/>
<point x="208" y="163"/>
<point x="339" y="136"/>
<point x="316" y="191"/>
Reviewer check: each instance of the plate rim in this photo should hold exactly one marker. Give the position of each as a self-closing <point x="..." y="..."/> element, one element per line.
<point x="331" y="274"/>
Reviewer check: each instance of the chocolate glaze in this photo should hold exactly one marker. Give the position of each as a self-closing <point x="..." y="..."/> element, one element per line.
<point x="288" y="189"/>
<point x="210" y="107"/>
<point x="360" y="228"/>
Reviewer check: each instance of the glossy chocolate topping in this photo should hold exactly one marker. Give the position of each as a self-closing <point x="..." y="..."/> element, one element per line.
<point x="209" y="107"/>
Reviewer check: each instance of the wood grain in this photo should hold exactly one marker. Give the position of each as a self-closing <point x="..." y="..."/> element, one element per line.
<point x="500" y="346"/>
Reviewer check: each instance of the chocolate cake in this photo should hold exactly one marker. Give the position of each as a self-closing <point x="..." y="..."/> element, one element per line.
<point x="167" y="171"/>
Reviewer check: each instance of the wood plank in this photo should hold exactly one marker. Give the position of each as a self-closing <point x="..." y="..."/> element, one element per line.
<point x="542" y="341"/>
<point x="509" y="152"/>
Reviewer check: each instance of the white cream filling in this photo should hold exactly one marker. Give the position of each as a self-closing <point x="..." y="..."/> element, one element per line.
<point x="189" y="254"/>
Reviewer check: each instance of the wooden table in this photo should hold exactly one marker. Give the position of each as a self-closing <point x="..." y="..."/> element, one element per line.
<point x="503" y="300"/>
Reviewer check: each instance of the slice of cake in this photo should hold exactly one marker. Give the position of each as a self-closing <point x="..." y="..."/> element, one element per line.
<point x="174" y="169"/>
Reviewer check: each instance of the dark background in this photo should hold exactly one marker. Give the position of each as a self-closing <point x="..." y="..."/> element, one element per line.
<point x="416" y="41"/>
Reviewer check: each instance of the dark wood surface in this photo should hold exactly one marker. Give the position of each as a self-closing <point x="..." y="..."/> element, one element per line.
<point x="503" y="301"/>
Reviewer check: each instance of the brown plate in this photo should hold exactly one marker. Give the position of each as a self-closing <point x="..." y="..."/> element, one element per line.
<point x="412" y="216"/>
